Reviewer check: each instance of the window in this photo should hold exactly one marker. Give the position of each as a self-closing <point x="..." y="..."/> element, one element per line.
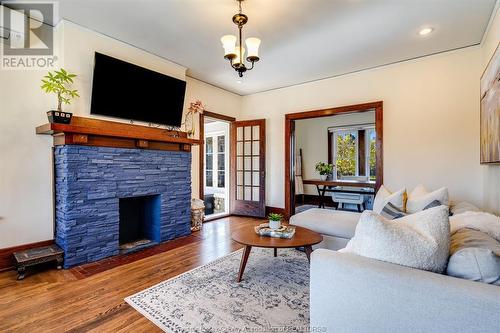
<point x="221" y="165"/>
<point x="215" y="161"/>
<point x="354" y="151"/>
<point x="346" y="153"/>
<point x="209" y="158"/>
<point x="372" y="148"/>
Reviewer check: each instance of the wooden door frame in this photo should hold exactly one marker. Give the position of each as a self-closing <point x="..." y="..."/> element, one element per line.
<point x="201" y="156"/>
<point x="290" y="119"/>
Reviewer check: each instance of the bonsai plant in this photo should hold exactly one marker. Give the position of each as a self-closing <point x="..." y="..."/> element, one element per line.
<point x="324" y="169"/>
<point x="274" y="220"/>
<point x="58" y="82"/>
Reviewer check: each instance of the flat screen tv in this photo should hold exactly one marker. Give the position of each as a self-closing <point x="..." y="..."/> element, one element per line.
<point x="123" y="90"/>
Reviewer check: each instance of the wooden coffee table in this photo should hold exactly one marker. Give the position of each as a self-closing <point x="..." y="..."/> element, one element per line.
<point x="246" y="236"/>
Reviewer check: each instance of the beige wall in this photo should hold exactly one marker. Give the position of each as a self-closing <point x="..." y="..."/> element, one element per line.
<point x="431" y="124"/>
<point x="491" y="178"/>
<point x="311" y="135"/>
<point x="26" y="202"/>
<point x="215" y="100"/>
<point x="431" y="121"/>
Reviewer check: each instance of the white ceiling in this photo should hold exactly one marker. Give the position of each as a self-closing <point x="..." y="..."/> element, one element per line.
<point x="302" y="40"/>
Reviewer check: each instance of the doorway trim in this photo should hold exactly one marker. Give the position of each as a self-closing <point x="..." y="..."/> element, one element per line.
<point x="290" y="119"/>
<point x="201" y="156"/>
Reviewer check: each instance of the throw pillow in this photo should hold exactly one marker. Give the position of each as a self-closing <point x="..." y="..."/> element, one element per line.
<point x="419" y="198"/>
<point x="474" y="256"/>
<point x="392" y="212"/>
<point x="420" y="240"/>
<point x="384" y="196"/>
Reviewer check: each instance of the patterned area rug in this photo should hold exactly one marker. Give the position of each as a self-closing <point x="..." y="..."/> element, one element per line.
<point x="273" y="296"/>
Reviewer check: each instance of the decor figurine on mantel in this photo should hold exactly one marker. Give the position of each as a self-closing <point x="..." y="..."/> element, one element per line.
<point x="188" y="124"/>
<point x="58" y="82"/>
<point x="324" y="169"/>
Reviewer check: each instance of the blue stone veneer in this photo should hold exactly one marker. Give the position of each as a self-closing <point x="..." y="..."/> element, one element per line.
<point x="89" y="181"/>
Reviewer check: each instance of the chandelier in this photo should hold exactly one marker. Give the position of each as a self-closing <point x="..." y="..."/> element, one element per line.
<point x="235" y="53"/>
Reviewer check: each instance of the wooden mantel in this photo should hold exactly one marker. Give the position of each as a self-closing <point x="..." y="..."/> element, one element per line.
<point x="104" y="133"/>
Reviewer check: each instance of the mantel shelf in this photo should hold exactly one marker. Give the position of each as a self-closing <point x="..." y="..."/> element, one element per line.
<point x="96" y="132"/>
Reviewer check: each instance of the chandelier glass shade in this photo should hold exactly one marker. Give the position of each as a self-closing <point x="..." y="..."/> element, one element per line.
<point x="234" y="51"/>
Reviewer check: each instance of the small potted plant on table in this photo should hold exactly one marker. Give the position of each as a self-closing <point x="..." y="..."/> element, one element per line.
<point x="58" y="82"/>
<point x="275" y="220"/>
<point x="324" y="170"/>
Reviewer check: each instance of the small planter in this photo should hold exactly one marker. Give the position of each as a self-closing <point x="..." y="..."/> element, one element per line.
<point x="323" y="177"/>
<point x="59" y="117"/>
<point x="274" y="224"/>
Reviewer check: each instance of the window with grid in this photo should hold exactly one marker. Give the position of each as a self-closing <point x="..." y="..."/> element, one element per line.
<point x="215" y="161"/>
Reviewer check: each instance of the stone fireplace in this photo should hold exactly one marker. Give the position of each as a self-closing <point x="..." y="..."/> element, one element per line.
<point x="108" y="198"/>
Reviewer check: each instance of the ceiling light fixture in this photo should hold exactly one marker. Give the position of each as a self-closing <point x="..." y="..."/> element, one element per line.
<point x="235" y="53"/>
<point x="425" y="31"/>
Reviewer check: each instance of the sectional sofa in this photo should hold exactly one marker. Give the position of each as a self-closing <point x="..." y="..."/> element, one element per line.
<point x="350" y="293"/>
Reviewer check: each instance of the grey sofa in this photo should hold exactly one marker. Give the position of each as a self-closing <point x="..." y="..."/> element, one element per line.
<point x="336" y="226"/>
<point x="350" y="293"/>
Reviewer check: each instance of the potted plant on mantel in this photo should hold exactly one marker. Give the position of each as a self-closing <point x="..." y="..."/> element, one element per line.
<point x="275" y="220"/>
<point x="58" y="82"/>
<point x="324" y="170"/>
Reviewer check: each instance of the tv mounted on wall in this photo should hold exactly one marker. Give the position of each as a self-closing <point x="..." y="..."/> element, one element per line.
<point x="124" y="90"/>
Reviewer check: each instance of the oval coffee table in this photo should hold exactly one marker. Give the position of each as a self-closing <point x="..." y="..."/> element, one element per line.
<point x="246" y="236"/>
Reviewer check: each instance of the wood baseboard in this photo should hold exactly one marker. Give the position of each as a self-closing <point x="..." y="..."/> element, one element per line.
<point x="213" y="218"/>
<point x="6" y="259"/>
<point x="310" y="199"/>
<point x="275" y="210"/>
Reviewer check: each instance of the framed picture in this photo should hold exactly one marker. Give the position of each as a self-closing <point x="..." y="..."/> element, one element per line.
<point x="490" y="111"/>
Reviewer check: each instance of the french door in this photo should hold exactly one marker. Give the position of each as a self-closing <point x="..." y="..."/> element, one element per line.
<point x="248" y="167"/>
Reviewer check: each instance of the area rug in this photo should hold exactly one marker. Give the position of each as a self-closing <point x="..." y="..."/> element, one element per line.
<point x="273" y="296"/>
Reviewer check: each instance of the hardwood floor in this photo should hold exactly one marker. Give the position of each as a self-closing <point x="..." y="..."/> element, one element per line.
<point x="59" y="301"/>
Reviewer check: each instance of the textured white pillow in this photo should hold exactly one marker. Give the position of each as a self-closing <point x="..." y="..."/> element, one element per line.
<point x="419" y="198"/>
<point x="420" y="240"/>
<point x="384" y="196"/>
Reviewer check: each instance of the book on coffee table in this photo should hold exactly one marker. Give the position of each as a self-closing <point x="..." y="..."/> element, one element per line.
<point x="282" y="232"/>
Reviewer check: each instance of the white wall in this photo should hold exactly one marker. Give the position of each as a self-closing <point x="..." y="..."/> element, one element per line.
<point x="26" y="196"/>
<point x="311" y="135"/>
<point x="431" y="120"/>
<point x="26" y="202"/>
<point x="215" y="100"/>
<point x="491" y="179"/>
<point x="431" y="124"/>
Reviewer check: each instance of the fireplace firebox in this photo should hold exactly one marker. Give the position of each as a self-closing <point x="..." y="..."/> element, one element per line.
<point x="139" y="222"/>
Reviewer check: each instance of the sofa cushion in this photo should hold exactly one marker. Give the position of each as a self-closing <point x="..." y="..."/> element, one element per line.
<point x="420" y="240"/>
<point x="474" y="256"/>
<point x="420" y="198"/>
<point x="384" y="196"/>
<point x="328" y="222"/>
<point x="462" y="207"/>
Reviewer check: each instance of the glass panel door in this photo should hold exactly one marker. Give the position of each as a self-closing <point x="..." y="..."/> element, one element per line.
<point x="249" y="167"/>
